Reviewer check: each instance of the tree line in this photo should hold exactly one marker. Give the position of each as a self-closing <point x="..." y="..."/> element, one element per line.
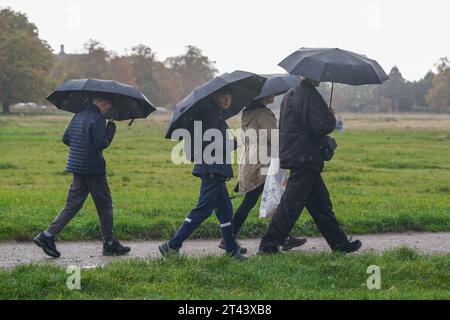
<point x="164" y="82"/>
<point x="29" y="70"/>
<point x="429" y="94"/>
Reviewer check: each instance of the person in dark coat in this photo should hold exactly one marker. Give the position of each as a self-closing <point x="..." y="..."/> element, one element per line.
<point x="87" y="136"/>
<point x="214" y="173"/>
<point x="305" y="121"/>
<point x="251" y="171"/>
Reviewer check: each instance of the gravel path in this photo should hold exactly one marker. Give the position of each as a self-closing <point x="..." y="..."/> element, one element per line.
<point x="88" y="253"/>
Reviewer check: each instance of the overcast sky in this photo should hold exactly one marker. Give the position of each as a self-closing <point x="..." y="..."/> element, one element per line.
<point x="252" y="35"/>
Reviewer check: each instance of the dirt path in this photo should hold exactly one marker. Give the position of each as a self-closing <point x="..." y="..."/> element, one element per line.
<point x="88" y="253"/>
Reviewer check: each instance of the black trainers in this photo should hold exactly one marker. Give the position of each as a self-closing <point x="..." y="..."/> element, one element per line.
<point x="47" y="244"/>
<point x="268" y="251"/>
<point x="292" y="242"/>
<point x="167" y="251"/>
<point x="238" y="255"/>
<point x="114" y="249"/>
<point x="223" y="246"/>
<point x="350" y="246"/>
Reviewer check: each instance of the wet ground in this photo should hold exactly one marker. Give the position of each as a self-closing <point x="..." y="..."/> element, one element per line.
<point x="89" y="253"/>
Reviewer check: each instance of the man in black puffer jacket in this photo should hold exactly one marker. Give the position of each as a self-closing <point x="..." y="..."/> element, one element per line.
<point x="87" y="136"/>
<point x="305" y="121"/>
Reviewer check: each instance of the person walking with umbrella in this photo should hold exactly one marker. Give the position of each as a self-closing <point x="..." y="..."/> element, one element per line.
<point x="87" y="136"/>
<point x="305" y="122"/>
<point x="210" y="105"/>
<point x="257" y="117"/>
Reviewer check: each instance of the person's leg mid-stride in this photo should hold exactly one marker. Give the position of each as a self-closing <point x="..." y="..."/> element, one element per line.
<point x="213" y="197"/>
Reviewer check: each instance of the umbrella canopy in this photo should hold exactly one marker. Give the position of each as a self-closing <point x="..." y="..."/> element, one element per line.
<point x="334" y="65"/>
<point x="245" y="86"/>
<point x="129" y="102"/>
<point x="277" y="84"/>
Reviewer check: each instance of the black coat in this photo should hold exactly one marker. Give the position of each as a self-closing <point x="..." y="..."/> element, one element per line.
<point x="213" y="117"/>
<point x="305" y="120"/>
<point x="87" y="135"/>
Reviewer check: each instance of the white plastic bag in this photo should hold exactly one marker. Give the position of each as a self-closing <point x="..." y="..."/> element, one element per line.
<point x="273" y="189"/>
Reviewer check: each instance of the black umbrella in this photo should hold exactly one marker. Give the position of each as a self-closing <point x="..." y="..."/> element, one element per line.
<point x="244" y="86"/>
<point x="129" y="102"/>
<point x="334" y="65"/>
<point x="277" y="84"/>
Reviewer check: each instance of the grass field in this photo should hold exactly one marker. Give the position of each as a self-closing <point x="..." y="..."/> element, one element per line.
<point x="391" y="173"/>
<point x="388" y="175"/>
<point x="404" y="275"/>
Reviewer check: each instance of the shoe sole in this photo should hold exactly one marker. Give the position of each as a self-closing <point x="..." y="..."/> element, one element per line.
<point x="243" y="251"/>
<point x="356" y="249"/>
<point x="347" y="252"/>
<point x="45" y="249"/>
<point x="283" y="248"/>
<point x="109" y="254"/>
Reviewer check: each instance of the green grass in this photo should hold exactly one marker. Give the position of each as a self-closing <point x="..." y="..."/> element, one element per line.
<point x="379" y="181"/>
<point x="405" y="274"/>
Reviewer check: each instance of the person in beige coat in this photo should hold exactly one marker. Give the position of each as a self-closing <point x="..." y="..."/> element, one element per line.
<point x="252" y="170"/>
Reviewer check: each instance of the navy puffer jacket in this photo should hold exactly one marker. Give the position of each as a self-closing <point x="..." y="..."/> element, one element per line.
<point x="87" y="135"/>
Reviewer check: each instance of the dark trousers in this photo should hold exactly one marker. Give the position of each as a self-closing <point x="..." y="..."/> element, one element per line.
<point x="249" y="202"/>
<point x="80" y="188"/>
<point x="305" y="188"/>
<point x="213" y="197"/>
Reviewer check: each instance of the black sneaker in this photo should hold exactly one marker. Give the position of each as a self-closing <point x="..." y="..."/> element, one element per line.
<point x="238" y="255"/>
<point x="350" y="246"/>
<point x="223" y="246"/>
<point x="167" y="251"/>
<point x="268" y="251"/>
<point x="292" y="242"/>
<point x="47" y="244"/>
<point x="115" y="249"/>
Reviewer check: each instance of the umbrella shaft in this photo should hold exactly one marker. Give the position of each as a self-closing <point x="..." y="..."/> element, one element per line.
<point x="331" y="95"/>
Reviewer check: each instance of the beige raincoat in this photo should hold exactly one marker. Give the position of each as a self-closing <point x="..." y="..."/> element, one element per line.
<point x="250" y="175"/>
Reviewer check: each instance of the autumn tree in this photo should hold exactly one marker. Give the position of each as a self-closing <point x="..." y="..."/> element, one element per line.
<point x="164" y="83"/>
<point x="95" y="62"/>
<point x="121" y="69"/>
<point x="439" y="95"/>
<point x="151" y="75"/>
<point x="354" y="98"/>
<point x="25" y="61"/>
<point x="191" y="69"/>
<point x="421" y="89"/>
<point x="397" y="90"/>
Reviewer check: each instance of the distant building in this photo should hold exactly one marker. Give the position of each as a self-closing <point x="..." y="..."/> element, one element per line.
<point x="61" y="53"/>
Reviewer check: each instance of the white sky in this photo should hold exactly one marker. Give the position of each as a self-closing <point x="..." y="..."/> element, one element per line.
<point x="252" y="35"/>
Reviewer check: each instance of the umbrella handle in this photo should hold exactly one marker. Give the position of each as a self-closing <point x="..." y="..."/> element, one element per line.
<point x="331" y="95"/>
<point x="131" y="122"/>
